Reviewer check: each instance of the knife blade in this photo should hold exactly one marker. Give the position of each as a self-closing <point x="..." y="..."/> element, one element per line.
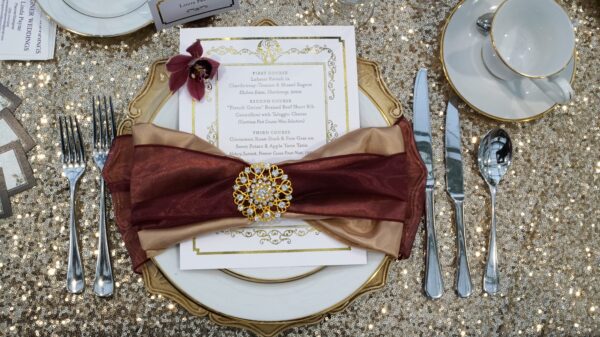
<point x="455" y="188"/>
<point x="433" y="285"/>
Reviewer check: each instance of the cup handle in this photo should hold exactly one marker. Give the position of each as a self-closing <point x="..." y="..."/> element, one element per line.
<point x="557" y="88"/>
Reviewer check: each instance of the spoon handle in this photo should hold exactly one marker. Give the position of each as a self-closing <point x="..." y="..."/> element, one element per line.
<point x="491" y="282"/>
<point x="434" y="286"/>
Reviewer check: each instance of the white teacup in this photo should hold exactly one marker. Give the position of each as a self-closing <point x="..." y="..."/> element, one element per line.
<point x="531" y="39"/>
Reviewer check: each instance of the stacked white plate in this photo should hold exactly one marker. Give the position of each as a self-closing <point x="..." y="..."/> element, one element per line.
<point x="98" y="18"/>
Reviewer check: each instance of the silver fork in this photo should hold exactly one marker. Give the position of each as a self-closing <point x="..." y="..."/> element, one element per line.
<point x="103" y="134"/>
<point x="73" y="158"/>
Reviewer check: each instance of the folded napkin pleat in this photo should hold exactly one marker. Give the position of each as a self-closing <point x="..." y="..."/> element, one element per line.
<point x="365" y="188"/>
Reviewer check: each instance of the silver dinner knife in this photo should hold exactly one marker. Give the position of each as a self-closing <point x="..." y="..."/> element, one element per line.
<point x="434" y="285"/>
<point x="455" y="188"/>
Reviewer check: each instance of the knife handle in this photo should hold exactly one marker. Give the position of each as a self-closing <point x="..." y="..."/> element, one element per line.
<point x="434" y="285"/>
<point x="464" y="286"/>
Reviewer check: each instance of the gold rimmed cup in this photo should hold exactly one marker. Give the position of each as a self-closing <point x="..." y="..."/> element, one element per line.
<point x="531" y="39"/>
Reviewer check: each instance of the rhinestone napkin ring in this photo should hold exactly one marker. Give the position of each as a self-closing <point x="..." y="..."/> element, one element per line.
<point x="262" y="192"/>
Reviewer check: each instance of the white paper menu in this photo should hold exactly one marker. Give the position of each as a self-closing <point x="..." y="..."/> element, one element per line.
<point x="25" y="32"/>
<point x="280" y="93"/>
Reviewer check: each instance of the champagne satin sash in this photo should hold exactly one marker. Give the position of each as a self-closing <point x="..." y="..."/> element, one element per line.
<point x="365" y="189"/>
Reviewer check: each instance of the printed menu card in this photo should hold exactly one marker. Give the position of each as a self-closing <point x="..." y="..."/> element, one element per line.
<point x="280" y="93"/>
<point x="25" y="32"/>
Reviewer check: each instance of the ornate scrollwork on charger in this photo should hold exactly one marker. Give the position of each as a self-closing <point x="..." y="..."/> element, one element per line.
<point x="144" y="108"/>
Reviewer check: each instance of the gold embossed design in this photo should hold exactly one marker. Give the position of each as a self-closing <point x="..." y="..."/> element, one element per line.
<point x="272" y="234"/>
<point x="262" y="192"/>
<point x="211" y="137"/>
<point x="146" y="106"/>
<point x="370" y="82"/>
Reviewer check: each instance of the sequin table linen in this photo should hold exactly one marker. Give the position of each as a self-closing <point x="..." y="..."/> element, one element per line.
<point x="548" y="230"/>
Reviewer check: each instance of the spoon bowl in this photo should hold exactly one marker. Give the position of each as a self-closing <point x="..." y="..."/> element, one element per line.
<point x="494" y="158"/>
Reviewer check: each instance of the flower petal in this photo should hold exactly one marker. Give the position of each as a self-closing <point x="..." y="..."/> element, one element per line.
<point x="196" y="88"/>
<point x="178" y="79"/>
<point x="195" y="49"/>
<point x="214" y="66"/>
<point x="178" y="63"/>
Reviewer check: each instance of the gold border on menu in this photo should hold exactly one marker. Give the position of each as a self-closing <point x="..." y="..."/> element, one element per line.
<point x="526" y="119"/>
<point x="144" y="108"/>
<point x="194" y="118"/>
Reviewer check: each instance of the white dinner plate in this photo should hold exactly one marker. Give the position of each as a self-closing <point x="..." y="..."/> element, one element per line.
<point x="98" y="18"/>
<point x="236" y="297"/>
<point x="468" y="76"/>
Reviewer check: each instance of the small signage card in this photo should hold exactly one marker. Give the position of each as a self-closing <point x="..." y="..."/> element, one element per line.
<point x="26" y="33"/>
<point x="168" y="13"/>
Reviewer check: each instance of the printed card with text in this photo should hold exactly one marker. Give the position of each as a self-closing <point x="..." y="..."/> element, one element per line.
<point x="280" y="93"/>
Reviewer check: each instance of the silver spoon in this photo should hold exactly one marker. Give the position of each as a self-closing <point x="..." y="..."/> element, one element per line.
<point x="494" y="158"/>
<point x="484" y="22"/>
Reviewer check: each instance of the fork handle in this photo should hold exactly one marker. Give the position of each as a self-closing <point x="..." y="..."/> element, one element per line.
<point x="75" y="279"/>
<point x="103" y="281"/>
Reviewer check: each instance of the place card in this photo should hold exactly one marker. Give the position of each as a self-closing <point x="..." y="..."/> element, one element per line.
<point x="280" y="93"/>
<point x="8" y="100"/>
<point x="18" y="174"/>
<point x="5" y="207"/>
<point x="25" y="32"/>
<point x="11" y="130"/>
<point x="168" y="13"/>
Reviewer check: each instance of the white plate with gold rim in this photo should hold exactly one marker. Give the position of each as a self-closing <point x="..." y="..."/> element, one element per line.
<point x="278" y="301"/>
<point x="468" y="76"/>
<point x="98" y="18"/>
<point x="370" y="116"/>
<point x="266" y="308"/>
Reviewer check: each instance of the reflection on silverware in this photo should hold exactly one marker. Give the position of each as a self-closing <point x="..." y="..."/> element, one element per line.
<point x="456" y="190"/>
<point x="73" y="159"/>
<point x="104" y="132"/>
<point x="494" y="158"/>
<point x="434" y="285"/>
<point x="484" y="23"/>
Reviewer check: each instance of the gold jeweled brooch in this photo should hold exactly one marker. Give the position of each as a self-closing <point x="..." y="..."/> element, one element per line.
<point x="262" y="192"/>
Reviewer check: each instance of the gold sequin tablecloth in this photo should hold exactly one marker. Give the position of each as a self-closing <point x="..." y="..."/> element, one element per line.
<point x="548" y="205"/>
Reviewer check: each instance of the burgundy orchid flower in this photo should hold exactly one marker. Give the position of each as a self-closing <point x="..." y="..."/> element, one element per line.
<point x="193" y="69"/>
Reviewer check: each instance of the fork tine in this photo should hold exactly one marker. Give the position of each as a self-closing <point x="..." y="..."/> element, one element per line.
<point x="100" y="124"/>
<point x="107" y="134"/>
<point x="74" y="151"/>
<point x="94" y="136"/>
<point x="112" y="119"/>
<point x="81" y="147"/>
<point x="62" y="140"/>
<point x="68" y="143"/>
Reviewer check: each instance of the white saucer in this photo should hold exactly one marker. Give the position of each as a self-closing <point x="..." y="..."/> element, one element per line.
<point x="468" y="76"/>
<point x="98" y="18"/>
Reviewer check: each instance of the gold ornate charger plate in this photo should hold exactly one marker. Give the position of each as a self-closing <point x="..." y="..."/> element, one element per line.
<point x="146" y="107"/>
